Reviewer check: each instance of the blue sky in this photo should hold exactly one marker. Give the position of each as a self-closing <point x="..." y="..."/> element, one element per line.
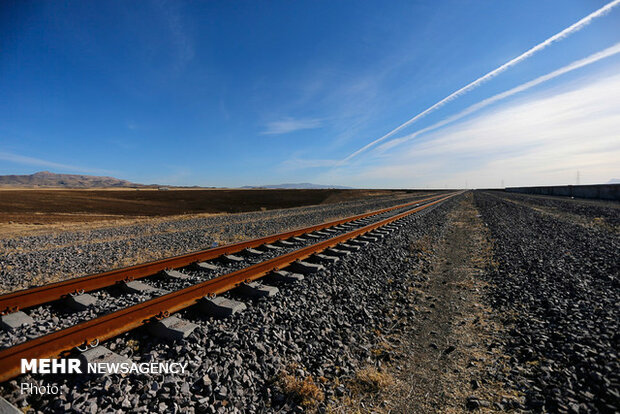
<point x="250" y="93"/>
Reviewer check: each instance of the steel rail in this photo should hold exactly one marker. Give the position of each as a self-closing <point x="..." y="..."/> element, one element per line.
<point x="30" y="297"/>
<point x="60" y="343"/>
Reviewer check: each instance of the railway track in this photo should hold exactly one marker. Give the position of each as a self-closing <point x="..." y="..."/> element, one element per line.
<point x="333" y="238"/>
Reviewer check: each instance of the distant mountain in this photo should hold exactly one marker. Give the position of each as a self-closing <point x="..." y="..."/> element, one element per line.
<point x="299" y="186"/>
<point x="614" y="181"/>
<point x="48" y="179"/>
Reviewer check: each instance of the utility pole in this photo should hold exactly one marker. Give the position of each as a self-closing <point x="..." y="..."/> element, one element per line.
<point x="503" y="183"/>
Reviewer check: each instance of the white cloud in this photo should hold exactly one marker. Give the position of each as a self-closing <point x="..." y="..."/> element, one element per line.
<point x="182" y="43"/>
<point x="544" y="139"/>
<point x="297" y="163"/>
<point x="610" y="51"/>
<point x="474" y="84"/>
<point x="21" y="159"/>
<point x="291" y="125"/>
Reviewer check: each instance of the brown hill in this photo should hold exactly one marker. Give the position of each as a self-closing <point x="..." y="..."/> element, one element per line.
<point x="48" y="179"/>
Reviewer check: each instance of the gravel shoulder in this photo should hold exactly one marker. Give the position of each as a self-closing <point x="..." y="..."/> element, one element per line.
<point x="556" y="289"/>
<point x="591" y="214"/>
<point x="448" y="358"/>
<point x="456" y="359"/>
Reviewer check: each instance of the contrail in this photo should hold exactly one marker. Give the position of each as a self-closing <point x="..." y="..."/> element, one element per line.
<point x="559" y="36"/>
<point x="610" y="51"/>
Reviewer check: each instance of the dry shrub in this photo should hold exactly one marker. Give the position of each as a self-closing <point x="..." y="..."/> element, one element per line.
<point x="303" y="391"/>
<point x="370" y="380"/>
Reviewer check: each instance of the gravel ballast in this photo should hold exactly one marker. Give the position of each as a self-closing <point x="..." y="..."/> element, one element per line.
<point x="324" y="326"/>
<point x="556" y="289"/>
<point x="600" y="213"/>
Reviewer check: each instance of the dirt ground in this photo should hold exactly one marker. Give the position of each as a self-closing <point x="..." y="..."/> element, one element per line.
<point x="22" y="211"/>
<point x="446" y="359"/>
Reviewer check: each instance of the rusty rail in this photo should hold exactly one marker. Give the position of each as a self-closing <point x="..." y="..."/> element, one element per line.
<point x="59" y="343"/>
<point x="27" y="298"/>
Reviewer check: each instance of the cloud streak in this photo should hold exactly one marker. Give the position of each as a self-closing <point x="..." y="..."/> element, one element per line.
<point x="542" y="140"/>
<point x="610" y="51"/>
<point x="472" y="85"/>
<point x="182" y="42"/>
<point x="21" y="159"/>
<point x="291" y="125"/>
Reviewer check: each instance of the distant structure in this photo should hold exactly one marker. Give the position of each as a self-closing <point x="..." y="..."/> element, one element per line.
<point x="600" y="191"/>
<point x="163" y="188"/>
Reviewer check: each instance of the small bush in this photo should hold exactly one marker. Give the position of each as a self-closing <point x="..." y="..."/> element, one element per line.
<point x="370" y="380"/>
<point x="303" y="391"/>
